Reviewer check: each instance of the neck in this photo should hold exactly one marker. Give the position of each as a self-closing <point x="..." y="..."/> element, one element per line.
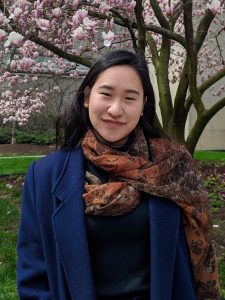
<point x="116" y="145"/>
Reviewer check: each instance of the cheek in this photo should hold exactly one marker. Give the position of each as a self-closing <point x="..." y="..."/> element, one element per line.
<point x="135" y="112"/>
<point x="96" y="107"/>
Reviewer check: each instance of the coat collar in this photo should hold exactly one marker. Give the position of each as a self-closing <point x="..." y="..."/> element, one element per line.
<point x="71" y="237"/>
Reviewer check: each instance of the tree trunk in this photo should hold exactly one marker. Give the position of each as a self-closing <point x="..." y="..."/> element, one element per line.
<point x="13" y="136"/>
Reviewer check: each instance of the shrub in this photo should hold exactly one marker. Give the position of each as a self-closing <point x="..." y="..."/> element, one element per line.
<point x="5" y="136"/>
<point x="22" y="137"/>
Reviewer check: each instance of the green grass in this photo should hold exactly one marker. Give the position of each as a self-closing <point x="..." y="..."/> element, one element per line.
<point x="15" y="165"/>
<point x="209" y="155"/>
<point x="9" y="219"/>
<point x="222" y="276"/>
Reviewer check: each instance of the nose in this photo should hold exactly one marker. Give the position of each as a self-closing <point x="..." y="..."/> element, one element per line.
<point x="115" y="109"/>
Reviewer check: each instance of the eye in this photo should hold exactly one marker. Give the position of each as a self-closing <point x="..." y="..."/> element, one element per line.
<point x="106" y="94"/>
<point x="130" y="98"/>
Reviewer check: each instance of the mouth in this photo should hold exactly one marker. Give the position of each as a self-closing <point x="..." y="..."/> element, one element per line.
<point x="113" y="122"/>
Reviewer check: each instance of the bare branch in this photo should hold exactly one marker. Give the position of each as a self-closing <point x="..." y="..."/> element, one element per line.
<point x="159" y="14"/>
<point x="203" y="28"/>
<point x="206" y="85"/>
<point x="74" y="58"/>
<point x="140" y="27"/>
<point x="200" y="124"/>
<point x="192" y="57"/>
<point x="152" y="45"/>
<point x="215" y="108"/>
<point x="218" y="46"/>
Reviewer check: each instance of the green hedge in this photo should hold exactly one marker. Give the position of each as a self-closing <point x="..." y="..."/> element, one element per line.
<point x="22" y="137"/>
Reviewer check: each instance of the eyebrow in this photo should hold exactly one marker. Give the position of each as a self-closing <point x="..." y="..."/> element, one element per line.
<point x="108" y="87"/>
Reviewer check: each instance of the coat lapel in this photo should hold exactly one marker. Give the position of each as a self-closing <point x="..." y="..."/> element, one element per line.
<point x="69" y="228"/>
<point x="164" y="230"/>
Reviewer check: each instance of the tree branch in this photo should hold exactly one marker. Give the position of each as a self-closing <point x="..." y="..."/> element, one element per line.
<point x="192" y="57"/>
<point x="140" y="27"/>
<point x="206" y="85"/>
<point x="180" y="111"/>
<point x="215" y="108"/>
<point x="176" y="14"/>
<point x="203" y="28"/>
<point x="159" y="15"/>
<point x="148" y="27"/>
<point x="74" y="58"/>
<point x="200" y="124"/>
<point x="130" y="29"/>
<point x="152" y="45"/>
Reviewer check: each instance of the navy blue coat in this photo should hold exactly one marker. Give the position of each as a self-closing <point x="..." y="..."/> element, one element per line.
<point x="53" y="256"/>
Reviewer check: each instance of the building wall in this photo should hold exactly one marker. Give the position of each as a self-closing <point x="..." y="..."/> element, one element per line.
<point x="213" y="136"/>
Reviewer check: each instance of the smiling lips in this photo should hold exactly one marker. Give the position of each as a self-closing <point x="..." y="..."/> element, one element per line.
<point x="113" y="122"/>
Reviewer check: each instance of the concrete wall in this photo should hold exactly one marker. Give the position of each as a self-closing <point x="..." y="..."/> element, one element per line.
<point x="213" y="137"/>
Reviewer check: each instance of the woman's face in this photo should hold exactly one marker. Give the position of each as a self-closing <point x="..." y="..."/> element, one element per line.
<point x="115" y="104"/>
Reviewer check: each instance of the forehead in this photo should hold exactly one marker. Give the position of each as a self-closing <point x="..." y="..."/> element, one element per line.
<point x="119" y="76"/>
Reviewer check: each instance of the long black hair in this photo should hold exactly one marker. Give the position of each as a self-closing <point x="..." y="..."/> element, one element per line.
<point x="76" y="121"/>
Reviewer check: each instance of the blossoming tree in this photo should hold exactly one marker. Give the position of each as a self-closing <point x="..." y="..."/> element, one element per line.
<point x="180" y="38"/>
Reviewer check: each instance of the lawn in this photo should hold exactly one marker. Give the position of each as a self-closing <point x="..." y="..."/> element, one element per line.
<point x="209" y="155"/>
<point x="10" y="200"/>
<point x="15" y="165"/>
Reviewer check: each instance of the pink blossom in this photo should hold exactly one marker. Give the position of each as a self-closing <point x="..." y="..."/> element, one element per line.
<point x="214" y="6"/>
<point x="6" y="74"/>
<point x="108" y="38"/>
<point x="132" y="4"/>
<point x="7" y="94"/>
<point x="106" y="23"/>
<point x="2" y="35"/>
<point x="43" y="24"/>
<point x="13" y="80"/>
<point x="14" y="38"/>
<point x="169" y="9"/>
<point x="111" y="23"/>
<point x="22" y="4"/>
<point x="74" y="3"/>
<point x="75" y="22"/>
<point x="16" y="13"/>
<point x="26" y="63"/>
<point x="57" y="12"/>
<point x="3" y="19"/>
<point x="79" y="33"/>
<point x="81" y="14"/>
<point x="104" y="8"/>
<point x="35" y="54"/>
<point x="47" y="2"/>
<point x="13" y="65"/>
<point x="89" y="24"/>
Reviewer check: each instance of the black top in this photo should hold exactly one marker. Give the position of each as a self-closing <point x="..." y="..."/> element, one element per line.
<point x="119" y="249"/>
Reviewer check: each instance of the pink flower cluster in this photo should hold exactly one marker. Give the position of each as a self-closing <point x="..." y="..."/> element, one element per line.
<point x="74" y="27"/>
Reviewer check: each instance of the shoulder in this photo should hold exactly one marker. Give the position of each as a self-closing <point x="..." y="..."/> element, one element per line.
<point x="53" y="164"/>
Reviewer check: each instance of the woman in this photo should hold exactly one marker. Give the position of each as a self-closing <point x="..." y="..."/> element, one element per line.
<point x="117" y="213"/>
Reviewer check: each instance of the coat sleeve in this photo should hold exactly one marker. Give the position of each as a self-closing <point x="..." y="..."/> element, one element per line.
<point x="32" y="280"/>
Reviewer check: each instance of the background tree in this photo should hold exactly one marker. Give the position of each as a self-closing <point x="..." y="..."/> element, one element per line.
<point x="181" y="39"/>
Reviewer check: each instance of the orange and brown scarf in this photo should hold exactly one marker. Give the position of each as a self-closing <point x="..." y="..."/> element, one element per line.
<point x="171" y="174"/>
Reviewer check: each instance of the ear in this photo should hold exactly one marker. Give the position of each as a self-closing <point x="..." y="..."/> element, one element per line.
<point x="145" y="100"/>
<point x="86" y="96"/>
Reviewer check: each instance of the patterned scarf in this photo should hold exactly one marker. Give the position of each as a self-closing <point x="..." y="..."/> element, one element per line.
<point x="171" y="175"/>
